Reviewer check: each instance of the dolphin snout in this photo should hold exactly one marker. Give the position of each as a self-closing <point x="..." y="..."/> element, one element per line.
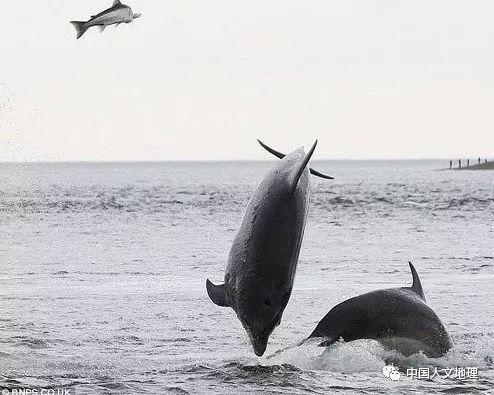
<point x="259" y="344"/>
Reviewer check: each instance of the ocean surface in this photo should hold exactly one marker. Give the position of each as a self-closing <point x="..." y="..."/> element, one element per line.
<point x="103" y="269"/>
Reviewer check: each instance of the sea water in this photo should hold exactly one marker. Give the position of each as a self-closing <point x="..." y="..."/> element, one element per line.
<point x="103" y="269"/>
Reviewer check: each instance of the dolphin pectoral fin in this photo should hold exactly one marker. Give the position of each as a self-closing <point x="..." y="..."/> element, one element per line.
<point x="326" y="343"/>
<point x="217" y="293"/>
<point x="281" y="156"/>
<point x="416" y="285"/>
<point x="302" y="167"/>
<point x="101" y="28"/>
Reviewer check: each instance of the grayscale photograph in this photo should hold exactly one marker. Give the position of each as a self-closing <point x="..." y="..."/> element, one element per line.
<point x="263" y="197"/>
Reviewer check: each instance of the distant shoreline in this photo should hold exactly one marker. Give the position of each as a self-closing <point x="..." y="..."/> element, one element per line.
<point x="482" y="166"/>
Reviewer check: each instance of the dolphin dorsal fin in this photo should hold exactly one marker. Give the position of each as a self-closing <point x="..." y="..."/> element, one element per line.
<point x="281" y="156"/>
<point x="116" y="2"/>
<point x="217" y="293"/>
<point x="416" y="285"/>
<point x="302" y="167"/>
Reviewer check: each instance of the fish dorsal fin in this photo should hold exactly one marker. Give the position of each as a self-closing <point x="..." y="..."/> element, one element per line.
<point x="116" y="2"/>
<point x="416" y="285"/>
<point x="217" y="293"/>
<point x="301" y="168"/>
<point x="281" y="156"/>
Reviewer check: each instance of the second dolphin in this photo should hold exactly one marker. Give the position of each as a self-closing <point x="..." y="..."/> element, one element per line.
<point x="399" y="318"/>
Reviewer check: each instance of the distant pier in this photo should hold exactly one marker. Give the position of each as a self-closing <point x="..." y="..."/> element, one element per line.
<point x="479" y="164"/>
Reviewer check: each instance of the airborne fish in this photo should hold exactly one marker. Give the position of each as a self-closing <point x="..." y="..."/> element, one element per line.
<point x="115" y="15"/>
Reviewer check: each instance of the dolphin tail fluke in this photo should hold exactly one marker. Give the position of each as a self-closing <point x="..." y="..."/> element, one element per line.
<point x="80" y="28"/>
<point x="281" y="156"/>
<point x="302" y="167"/>
<point x="319" y="174"/>
<point x="416" y="285"/>
<point x="271" y="150"/>
<point x="217" y="293"/>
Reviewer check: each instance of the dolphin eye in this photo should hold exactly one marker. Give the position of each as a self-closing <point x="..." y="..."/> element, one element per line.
<point x="267" y="302"/>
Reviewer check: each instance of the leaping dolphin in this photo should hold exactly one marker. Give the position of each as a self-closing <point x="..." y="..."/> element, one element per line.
<point x="115" y="15"/>
<point x="264" y="255"/>
<point x="399" y="318"/>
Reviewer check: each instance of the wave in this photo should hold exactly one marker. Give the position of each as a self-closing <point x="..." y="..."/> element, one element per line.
<point x="139" y="200"/>
<point x="370" y="356"/>
<point x="215" y="199"/>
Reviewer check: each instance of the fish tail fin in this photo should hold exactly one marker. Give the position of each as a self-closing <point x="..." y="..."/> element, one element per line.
<point x="302" y="167"/>
<point x="281" y="156"/>
<point x="80" y="28"/>
<point x="416" y="285"/>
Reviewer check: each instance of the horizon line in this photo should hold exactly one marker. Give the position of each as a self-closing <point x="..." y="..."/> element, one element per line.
<point x="211" y="160"/>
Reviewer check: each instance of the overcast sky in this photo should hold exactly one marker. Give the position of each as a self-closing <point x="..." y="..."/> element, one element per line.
<point x="201" y="79"/>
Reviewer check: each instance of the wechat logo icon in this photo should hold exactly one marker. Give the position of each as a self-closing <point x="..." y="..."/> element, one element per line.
<point x="391" y="372"/>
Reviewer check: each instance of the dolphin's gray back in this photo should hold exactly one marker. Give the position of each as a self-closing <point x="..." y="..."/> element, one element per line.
<point x="388" y="313"/>
<point x="267" y="244"/>
<point x="264" y="255"/>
